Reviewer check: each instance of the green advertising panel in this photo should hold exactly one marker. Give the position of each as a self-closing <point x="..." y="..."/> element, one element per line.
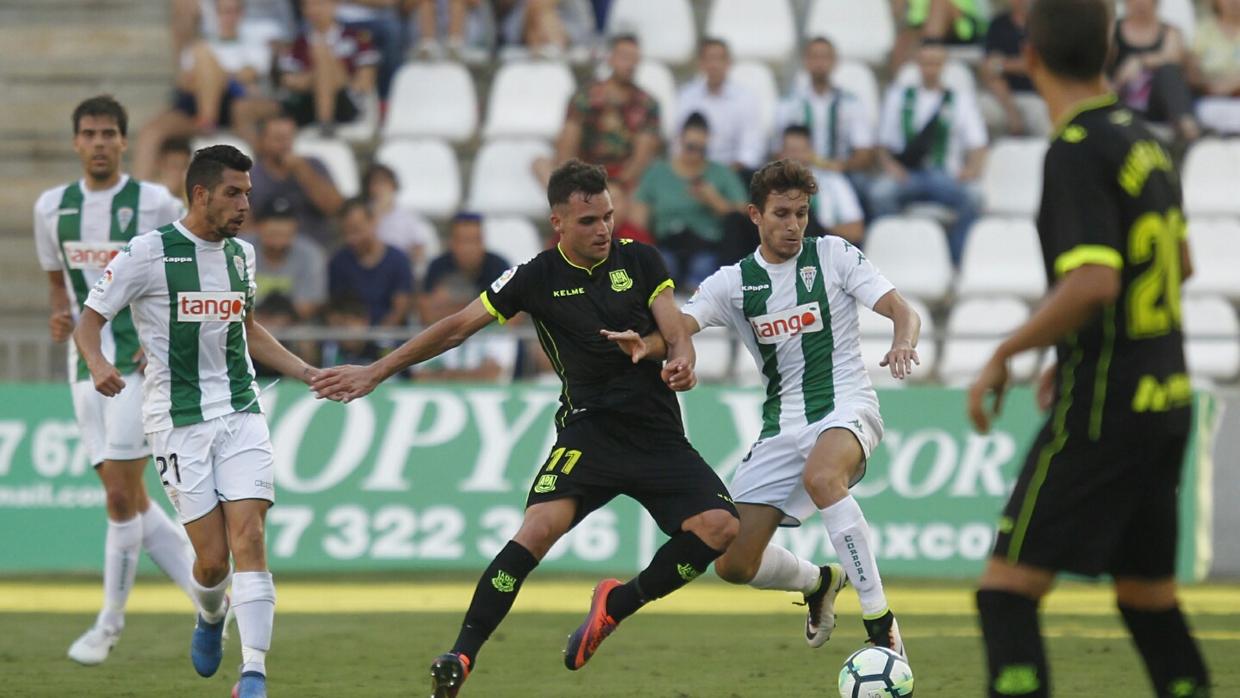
<point x="434" y="477"/>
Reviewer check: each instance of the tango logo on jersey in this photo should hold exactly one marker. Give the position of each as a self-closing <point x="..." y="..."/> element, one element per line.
<point x="203" y="306"/>
<point x="90" y="255"/>
<point x="774" y="328"/>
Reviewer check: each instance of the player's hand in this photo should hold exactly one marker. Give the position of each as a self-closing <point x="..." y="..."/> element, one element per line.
<point x="139" y="360"/>
<point x="630" y="343"/>
<point x="992" y="380"/>
<point x="60" y="322"/>
<point x="679" y="375"/>
<point x="344" y="383"/>
<point x="1046" y="388"/>
<point x="107" y="379"/>
<point x="901" y="359"/>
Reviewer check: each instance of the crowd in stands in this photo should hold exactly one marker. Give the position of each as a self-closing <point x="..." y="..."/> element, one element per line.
<point x="270" y="72"/>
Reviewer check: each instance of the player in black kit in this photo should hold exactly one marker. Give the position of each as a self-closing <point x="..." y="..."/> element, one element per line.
<point x="1097" y="493"/>
<point x="619" y="425"/>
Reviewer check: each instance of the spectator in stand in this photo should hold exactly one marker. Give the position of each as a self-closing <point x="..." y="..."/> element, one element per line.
<point x="834" y="209"/>
<point x="288" y="265"/>
<point x="275" y="312"/>
<point x="329" y="70"/>
<point x="380" y="275"/>
<point x="347" y="314"/>
<point x="1012" y="105"/>
<point x="285" y="180"/>
<point x="932" y="148"/>
<point x="397" y="226"/>
<point x="267" y="21"/>
<point x="1216" y="67"/>
<point x="380" y="20"/>
<point x="174" y="157"/>
<point x="730" y="109"/>
<point x="547" y="28"/>
<point x="686" y="202"/>
<point x="955" y="22"/>
<point x="1148" y="69"/>
<point x="461" y="23"/>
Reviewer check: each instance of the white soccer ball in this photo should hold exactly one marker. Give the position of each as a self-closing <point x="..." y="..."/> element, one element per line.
<point x="876" y="672"/>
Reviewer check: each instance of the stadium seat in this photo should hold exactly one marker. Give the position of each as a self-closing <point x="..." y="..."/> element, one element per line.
<point x="861" y="30"/>
<point x="430" y="180"/>
<point x="956" y="76"/>
<point x="1002" y="257"/>
<point x="876" y="342"/>
<point x="1211" y="171"/>
<point x="974" y="329"/>
<point x="760" y="30"/>
<point x="528" y="100"/>
<point x="336" y="156"/>
<point x="656" y="78"/>
<point x="503" y="182"/>
<point x="1012" y="178"/>
<point x="912" y="253"/>
<point x="1212" y="339"/>
<point x="1215" y="245"/>
<point x="222" y="139"/>
<point x="714" y="353"/>
<point x="665" y="27"/>
<point x="432" y="100"/>
<point x="512" y="237"/>
<point x="362" y="129"/>
<point x="761" y="81"/>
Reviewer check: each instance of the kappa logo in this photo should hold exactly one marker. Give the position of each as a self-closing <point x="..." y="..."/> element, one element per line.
<point x="124" y="216"/>
<point x="857" y="423"/>
<point x="759" y="287"/>
<point x="773" y="328"/>
<point x="178" y="260"/>
<point x="90" y="255"/>
<point x="210" y="306"/>
<point x="620" y="280"/>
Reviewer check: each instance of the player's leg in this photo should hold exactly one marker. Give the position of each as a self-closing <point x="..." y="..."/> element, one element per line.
<point x="1007" y="605"/>
<point x="1162" y="636"/>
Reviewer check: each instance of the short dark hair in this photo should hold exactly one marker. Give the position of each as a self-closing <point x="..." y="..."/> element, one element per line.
<point x="624" y="38"/>
<point x="276" y="209"/>
<point x="780" y="176"/>
<point x="354" y="203"/>
<point x="575" y="176"/>
<point x="1071" y="36"/>
<point x="102" y="105"/>
<point x="207" y="167"/>
<point x="276" y="303"/>
<point x="798" y="130"/>
<point x="820" y="39"/>
<point x="709" y="41"/>
<point x="696" y="120"/>
<point x="378" y="169"/>
<point x="466" y="217"/>
<point x="176" y="144"/>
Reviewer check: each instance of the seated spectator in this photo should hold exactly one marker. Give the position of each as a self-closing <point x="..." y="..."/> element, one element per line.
<point x="287" y="265"/>
<point x="267" y="21"/>
<point x="380" y="21"/>
<point x="455" y="29"/>
<point x="955" y="22"/>
<point x="174" y="157"/>
<point x="547" y="28"/>
<point x="1148" y="69"/>
<point x="275" y="312"/>
<point x="731" y="110"/>
<point x="348" y="316"/>
<point x="684" y="201"/>
<point x="329" y="70"/>
<point x="457" y="276"/>
<point x="1216" y="67"/>
<point x="285" y="180"/>
<point x="380" y="275"/>
<point x="1012" y="105"/>
<point x="397" y="226"/>
<point x="834" y="209"/>
<point x="932" y="149"/>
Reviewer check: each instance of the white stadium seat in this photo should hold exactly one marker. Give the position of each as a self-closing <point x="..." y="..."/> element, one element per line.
<point x="1211" y="172"/>
<point x="761" y="81"/>
<point x="1012" y="178"/>
<point x="656" y="78"/>
<point x="760" y="30"/>
<point x="1215" y="245"/>
<point x="862" y="30"/>
<point x="513" y="238"/>
<point x="956" y="76"/>
<point x="362" y="129"/>
<point x="1212" y="339"/>
<point x="974" y="329"/>
<point x="528" y="100"/>
<point x="858" y="78"/>
<point x="1002" y="257"/>
<point x="430" y="180"/>
<point x="200" y="142"/>
<point x="336" y="156"/>
<point x="503" y="181"/>
<point x="665" y="28"/>
<point x="913" y="254"/>
<point x="714" y="353"/>
<point x="876" y="342"/>
<point x="432" y="100"/>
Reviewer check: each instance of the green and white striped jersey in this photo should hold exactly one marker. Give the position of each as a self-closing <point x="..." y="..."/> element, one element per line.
<point x="78" y="231"/>
<point x="799" y="321"/>
<point x="189" y="299"/>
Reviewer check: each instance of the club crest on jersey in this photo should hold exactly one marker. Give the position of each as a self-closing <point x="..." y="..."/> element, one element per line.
<point x="210" y="306"/>
<point x="239" y="265"/>
<point x="620" y="280"/>
<point x="124" y="216"/>
<point x="808" y="274"/>
<point x="777" y="327"/>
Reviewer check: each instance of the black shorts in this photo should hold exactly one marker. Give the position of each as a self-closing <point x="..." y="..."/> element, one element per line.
<point x="597" y="458"/>
<point x="300" y="107"/>
<point x="1090" y="507"/>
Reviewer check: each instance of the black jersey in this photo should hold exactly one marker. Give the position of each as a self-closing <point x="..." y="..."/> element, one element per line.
<point x="1110" y="196"/>
<point x="569" y="306"/>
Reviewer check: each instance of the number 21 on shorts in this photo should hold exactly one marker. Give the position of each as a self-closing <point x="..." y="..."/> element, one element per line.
<point x="163" y="464"/>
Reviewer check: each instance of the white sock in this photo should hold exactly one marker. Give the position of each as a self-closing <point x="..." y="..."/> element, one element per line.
<point x="850" y="535"/>
<point x="170" y="550"/>
<point x="211" y="599"/>
<point x="121" y="549"/>
<point x="254" y="602"/>
<point x="780" y="569"/>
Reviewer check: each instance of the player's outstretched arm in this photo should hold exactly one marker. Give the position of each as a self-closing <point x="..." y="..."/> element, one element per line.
<point x="89" y="344"/>
<point x="681" y="358"/>
<point x="906" y="330"/>
<point x="651" y="346"/>
<point x="345" y="383"/>
<point x="268" y="351"/>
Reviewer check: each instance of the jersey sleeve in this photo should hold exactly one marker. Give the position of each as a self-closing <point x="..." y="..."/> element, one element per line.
<point x="125" y="279"/>
<point x="251" y="275"/>
<point x="45" y="242"/>
<point x="654" y="270"/>
<point x="709" y="305"/>
<point x="1084" y="222"/>
<point x="859" y="278"/>
<point x="509" y="294"/>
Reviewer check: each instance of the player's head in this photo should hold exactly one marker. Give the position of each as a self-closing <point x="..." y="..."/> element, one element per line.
<point x="625" y="54"/>
<point x="694" y="139"/>
<point x="714" y="59"/>
<point x="465" y="241"/>
<point x="581" y="210"/>
<point x="779" y="195"/>
<point x="819" y="58"/>
<point x="798" y="144"/>
<point x="218" y="186"/>
<point x="100" y="126"/>
<point x="319" y="14"/>
<point x="1068" y="41"/>
<point x="357" y="225"/>
<point x="931" y="57"/>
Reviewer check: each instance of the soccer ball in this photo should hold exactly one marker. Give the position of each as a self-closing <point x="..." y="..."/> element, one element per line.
<point x="876" y="672"/>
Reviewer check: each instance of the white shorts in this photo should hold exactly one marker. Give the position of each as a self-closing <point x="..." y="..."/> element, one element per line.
<point x="220" y="460"/>
<point x="111" y="427"/>
<point x="772" y="473"/>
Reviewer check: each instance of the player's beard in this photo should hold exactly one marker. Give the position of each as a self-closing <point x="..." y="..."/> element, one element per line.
<point x="222" y="224"/>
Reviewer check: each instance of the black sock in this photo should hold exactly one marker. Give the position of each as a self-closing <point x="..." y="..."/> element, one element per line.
<point x="1015" y="658"/>
<point x="1171" y="655"/>
<point x="493" y="597"/>
<point x="681" y="559"/>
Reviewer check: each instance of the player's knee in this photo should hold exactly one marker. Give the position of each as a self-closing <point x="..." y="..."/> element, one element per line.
<point x="120" y="501"/>
<point x="1146" y="595"/>
<point x="210" y="569"/>
<point x="733" y="569"/>
<point x="717" y="528"/>
<point x="538" y="534"/>
<point x="826" y="486"/>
